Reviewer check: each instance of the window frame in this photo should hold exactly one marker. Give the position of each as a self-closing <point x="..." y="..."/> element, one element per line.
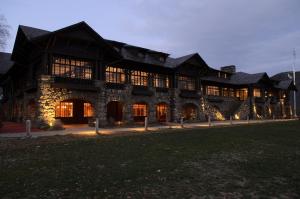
<point x="161" y="81"/>
<point x="213" y="90"/>
<point x="69" y="67"/>
<point x="187" y="83"/>
<point x="115" y="75"/>
<point x="139" y="78"/>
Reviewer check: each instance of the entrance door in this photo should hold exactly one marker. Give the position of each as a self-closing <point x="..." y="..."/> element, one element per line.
<point x="114" y="111"/>
<point x="189" y="112"/>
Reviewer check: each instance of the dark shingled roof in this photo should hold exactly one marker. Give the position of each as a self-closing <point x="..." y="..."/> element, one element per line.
<point x="126" y="51"/>
<point x="5" y="62"/>
<point x="239" y="78"/>
<point x="31" y="32"/>
<point x="246" y="78"/>
<point x="285" y="84"/>
<point x="282" y="76"/>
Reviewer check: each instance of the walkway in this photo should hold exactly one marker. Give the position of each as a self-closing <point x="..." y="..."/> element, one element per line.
<point x="90" y="131"/>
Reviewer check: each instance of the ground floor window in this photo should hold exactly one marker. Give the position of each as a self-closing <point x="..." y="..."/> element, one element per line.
<point x="87" y="110"/>
<point x="64" y="109"/>
<point x="161" y="112"/>
<point x="139" y="110"/>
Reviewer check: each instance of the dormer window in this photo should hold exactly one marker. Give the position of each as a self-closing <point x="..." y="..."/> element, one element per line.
<point x="162" y="59"/>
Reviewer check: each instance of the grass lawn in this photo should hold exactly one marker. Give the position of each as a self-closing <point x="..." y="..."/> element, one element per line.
<point x="252" y="161"/>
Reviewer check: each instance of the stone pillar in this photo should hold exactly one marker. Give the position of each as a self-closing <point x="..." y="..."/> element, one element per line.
<point x="101" y="108"/>
<point x="127" y="106"/>
<point x="174" y="109"/>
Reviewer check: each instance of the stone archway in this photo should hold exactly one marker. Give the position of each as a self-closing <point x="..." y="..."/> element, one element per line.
<point x="114" y="112"/>
<point x="190" y="111"/>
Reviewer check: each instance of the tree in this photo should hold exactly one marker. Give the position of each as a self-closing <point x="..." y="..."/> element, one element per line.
<point x="4" y="32"/>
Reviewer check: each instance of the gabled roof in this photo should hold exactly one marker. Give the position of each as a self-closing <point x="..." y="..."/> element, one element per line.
<point x="32" y="33"/>
<point x="175" y="62"/>
<point x="282" y="76"/>
<point x="5" y="62"/>
<point x="285" y="84"/>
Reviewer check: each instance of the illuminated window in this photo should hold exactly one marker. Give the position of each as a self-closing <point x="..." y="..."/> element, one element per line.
<point x="115" y="75"/>
<point x="187" y="83"/>
<point x="161" y="112"/>
<point x="256" y="92"/>
<point x="161" y="81"/>
<point x="87" y="110"/>
<point x="228" y="92"/>
<point x="212" y="90"/>
<point x="64" y="109"/>
<point x="139" y="78"/>
<point x="72" y="68"/>
<point x="139" y="110"/>
<point x="242" y="94"/>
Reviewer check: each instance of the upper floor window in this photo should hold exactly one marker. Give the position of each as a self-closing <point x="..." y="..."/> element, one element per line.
<point x="256" y="92"/>
<point x="242" y="94"/>
<point x="228" y="92"/>
<point x="212" y="90"/>
<point x="139" y="78"/>
<point x="187" y="83"/>
<point x="161" y="81"/>
<point x="114" y="75"/>
<point x="72" y="68"/>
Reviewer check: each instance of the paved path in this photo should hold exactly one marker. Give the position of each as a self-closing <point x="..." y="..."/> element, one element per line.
<point x="110" y="131"/>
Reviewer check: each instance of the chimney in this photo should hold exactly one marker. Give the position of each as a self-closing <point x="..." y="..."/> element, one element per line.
<point x="228" y="69"/>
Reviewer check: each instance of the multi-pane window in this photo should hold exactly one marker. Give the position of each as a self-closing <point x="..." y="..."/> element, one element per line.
<point x="256" y="92"/>
<point x="187" y="83"/>
<point x="161" y="81"/>
<point x="72" y="68"/>
<point x="161" y="112"/>
<point x="212" y="90"/>
<point x="139" y="109"/>
<point x="228" y="92"/>
<point x="87" y="110"/>
<point x="242" y="94"/>
<point x="115" y="75"/>
<point x="139" y="78"/>
<point x="64" y="109"/>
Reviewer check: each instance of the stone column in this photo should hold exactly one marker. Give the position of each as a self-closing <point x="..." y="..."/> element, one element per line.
<point x="127" y="106"/>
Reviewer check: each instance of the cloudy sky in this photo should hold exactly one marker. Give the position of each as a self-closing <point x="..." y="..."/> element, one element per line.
<point x="256" y="35"/>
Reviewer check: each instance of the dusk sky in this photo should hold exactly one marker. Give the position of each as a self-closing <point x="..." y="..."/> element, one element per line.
<point x="256" y="35"/>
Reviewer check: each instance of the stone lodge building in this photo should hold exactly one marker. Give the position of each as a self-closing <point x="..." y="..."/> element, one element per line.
<point x="75" y="75"/>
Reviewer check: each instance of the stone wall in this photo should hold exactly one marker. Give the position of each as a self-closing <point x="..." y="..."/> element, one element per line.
<point x="40" y="106"/>
<point x="48" y="97"/>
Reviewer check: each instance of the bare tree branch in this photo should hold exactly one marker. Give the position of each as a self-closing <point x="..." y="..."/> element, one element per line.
<point x="4" y="32"/>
